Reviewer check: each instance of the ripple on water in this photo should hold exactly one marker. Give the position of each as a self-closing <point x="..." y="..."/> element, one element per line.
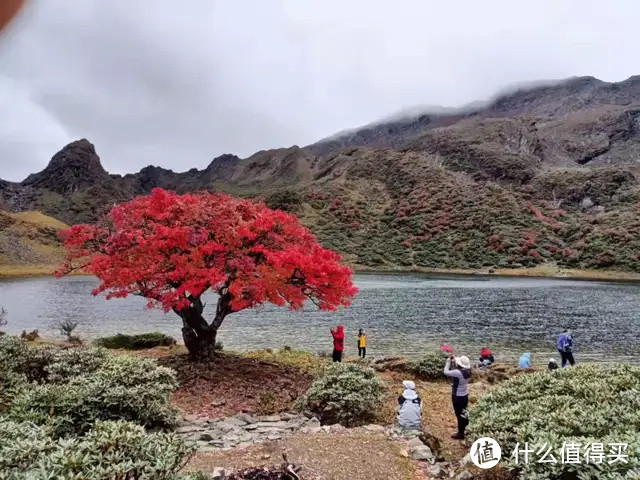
<point x="401" y="313"/>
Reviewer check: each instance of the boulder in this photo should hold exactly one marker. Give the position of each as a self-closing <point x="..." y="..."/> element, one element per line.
<point x="423" y="453"/>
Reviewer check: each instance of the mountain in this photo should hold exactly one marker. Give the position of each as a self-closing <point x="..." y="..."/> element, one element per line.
<point x="544" y="174"/>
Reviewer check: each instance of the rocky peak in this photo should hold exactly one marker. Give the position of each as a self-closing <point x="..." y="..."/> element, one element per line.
<point x="75" y="167"/>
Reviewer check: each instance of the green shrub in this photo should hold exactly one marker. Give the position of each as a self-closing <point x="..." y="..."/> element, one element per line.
<point x="136" y="342"/>
<point x="111" y="450"/>
<point x="345" y="393"/>
<point x="430" y="366"/>
<point x="582" y="404"/>
<point x="123" y="388"/>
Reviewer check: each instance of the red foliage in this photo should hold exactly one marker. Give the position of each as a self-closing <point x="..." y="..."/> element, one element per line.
<point x="172" y="248"/>
<point x="567" y="252"/>
<point x="535" y="254"/>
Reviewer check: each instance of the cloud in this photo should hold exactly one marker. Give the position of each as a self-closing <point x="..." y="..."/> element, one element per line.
<point x="177" y="84"/>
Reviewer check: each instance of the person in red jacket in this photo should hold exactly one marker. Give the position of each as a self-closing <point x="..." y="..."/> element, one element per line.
<point x="338" y="343"/>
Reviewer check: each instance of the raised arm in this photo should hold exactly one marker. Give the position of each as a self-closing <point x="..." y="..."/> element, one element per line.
<point x="451" y="372"/>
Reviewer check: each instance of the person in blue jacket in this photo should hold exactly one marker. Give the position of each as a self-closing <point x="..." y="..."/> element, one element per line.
<point x="565" y="347"/>
<point x="525" y="360"/>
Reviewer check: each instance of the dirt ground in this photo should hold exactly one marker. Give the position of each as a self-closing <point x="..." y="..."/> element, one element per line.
<point x="233" y="384"/>
<point x="322" y="457"/>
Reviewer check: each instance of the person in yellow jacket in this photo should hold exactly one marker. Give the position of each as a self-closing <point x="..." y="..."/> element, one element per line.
<point x="362" y="344"/>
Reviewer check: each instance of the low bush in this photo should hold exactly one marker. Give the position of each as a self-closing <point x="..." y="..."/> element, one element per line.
<point x="430" y="366"/>
<point x="580" y="405"/>
<point x="135" y="342"/>
<point x="110" y="450"/>
<point x="122" y="388"/>
<point x="348" y="394"/>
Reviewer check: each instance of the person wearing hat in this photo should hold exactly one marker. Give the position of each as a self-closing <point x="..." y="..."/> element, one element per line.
<point x="553" y="365"/>
<point x="410" y="409"/>
<point x="459" y="369"/>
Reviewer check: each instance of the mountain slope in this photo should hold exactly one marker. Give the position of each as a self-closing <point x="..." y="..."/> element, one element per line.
<point x="549" y="174"/>
<point x="29" y="242"/>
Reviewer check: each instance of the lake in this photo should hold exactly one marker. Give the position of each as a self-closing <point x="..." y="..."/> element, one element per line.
<point x="402" y="314"/>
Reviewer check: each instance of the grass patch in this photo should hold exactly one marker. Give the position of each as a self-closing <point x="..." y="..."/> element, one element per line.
<point x="300" y="359"/>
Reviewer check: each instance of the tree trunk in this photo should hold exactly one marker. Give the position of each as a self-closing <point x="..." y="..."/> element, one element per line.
<point x="200" y="337"/>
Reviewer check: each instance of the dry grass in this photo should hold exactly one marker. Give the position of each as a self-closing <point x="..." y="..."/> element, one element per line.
<point x="39" y="219"/>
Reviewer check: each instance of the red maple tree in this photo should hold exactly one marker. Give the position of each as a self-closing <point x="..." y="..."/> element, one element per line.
<point x="172" y="248"/>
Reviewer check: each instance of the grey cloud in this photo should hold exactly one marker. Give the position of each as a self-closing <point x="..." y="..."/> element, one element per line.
<point x="175" y="85"/>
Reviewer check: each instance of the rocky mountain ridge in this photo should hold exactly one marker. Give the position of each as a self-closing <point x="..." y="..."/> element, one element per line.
<point x="549" y="174"/>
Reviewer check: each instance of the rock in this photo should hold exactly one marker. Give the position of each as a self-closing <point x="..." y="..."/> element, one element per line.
<point x="206" y="437"/>
<point x="188" y="429"/>
<point x="404" y="453"/>
<point x="289" y="416"/>
<point x="326" y="428"/>
<point x="304" y="430"/>
<point x="436" y="471"/>
<point x="269" y="431"/>
<point x="274" y="436"/>
<point x="466" y="460"/>
<point x="231" y="439"/>
<point x="315" y="430"/>
<point x="466" y="475"/>
<point x="408" y="434"/>
<point x="218" y="403"/>
<point x="226" y="426"/>
<point x="238" y="422"/>
<point x="423" y="453"/>
<point x="247" y="437"/>
<point x="270" y="418"/>
<point x="293" y="424"/>
<point x="244" y="445"/>
<point x="245" y="417"/>
<point x="313" y="422"/>
<point x="430" y="441"/>
<point x="374" y="428"/>
<point x="337" y="428"/>
<point x="415" y="442"/>
<point x="217" y="443"/>
<point x="218" y="474"/>
<point x="266" y="456"/>
<point x="280" y="424"/>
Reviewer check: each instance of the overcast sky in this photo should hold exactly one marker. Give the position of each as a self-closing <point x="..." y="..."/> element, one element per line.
<point x="152" y="82"/>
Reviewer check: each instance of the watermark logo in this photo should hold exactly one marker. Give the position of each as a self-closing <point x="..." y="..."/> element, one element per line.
<point x="485" y="452"/>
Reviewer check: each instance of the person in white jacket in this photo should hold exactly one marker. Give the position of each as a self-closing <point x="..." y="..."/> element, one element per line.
<point x="410" y="407"/>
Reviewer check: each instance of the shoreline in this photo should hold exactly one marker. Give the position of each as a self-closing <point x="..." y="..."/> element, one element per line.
<point x="8" y="272"/>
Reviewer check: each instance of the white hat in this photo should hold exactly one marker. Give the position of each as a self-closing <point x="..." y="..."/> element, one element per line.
<point x="408" y="384"/>
<point x="463" y="362"/>
<point x="552" y="360"/>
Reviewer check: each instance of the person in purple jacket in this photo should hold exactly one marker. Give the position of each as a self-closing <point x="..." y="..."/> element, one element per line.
<point x="565" y="347"/>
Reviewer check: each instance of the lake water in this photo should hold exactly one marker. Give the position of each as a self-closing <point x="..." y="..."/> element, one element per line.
<point x="402" y="314"/>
